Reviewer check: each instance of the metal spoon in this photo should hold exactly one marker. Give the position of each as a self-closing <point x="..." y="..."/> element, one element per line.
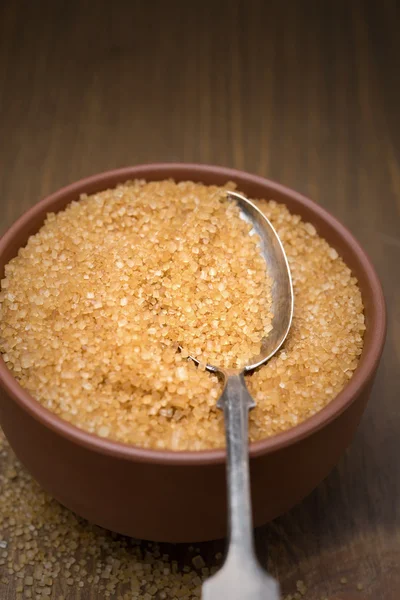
<point x="241" y="577"/>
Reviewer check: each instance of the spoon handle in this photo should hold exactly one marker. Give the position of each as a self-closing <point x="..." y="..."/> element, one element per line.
<point x="241" y="577"/>
<point x="236" y="402"/>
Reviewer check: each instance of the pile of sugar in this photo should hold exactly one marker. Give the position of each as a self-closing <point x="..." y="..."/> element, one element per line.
<point x="93" y="307"/>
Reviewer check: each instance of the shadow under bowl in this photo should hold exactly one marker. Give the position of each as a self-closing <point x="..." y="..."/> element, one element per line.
<point x="180" y="496"/>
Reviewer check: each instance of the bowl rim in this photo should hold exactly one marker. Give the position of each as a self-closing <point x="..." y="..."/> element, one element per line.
<point x="358" y="382"/>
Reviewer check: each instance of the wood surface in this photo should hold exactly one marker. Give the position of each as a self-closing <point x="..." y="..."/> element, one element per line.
<point x="306" y="93"/>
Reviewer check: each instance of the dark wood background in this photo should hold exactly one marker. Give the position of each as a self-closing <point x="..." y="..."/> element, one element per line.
<point x="306" y="93"/>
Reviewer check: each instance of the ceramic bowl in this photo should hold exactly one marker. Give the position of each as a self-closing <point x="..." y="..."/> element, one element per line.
<point x="180" y="496"/>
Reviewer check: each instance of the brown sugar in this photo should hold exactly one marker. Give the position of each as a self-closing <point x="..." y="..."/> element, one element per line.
<point x="95" y="305"/>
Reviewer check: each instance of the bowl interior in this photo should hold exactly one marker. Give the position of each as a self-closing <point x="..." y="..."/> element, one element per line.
<point x="255" y="187"/>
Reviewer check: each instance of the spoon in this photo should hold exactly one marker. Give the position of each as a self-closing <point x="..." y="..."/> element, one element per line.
<point x="241" y="577"/>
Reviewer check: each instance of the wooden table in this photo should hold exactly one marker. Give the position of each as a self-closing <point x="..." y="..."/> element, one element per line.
<point x="306" y="93"/>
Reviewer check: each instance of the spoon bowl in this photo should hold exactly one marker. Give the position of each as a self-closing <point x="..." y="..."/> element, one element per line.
<point x="278" y="269"/>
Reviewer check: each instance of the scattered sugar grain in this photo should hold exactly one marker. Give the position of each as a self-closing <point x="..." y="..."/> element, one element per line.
<point x="198" y="562"/>
<point x="301" y="587"/>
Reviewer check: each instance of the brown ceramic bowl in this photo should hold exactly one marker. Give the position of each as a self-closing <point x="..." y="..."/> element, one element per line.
<point x="180" y="496"/>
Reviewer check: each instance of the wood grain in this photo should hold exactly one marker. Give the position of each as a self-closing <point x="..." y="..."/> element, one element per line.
<point x="306" y="93"/>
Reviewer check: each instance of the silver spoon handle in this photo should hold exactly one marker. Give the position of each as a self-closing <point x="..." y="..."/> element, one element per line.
<point x="236" y="402"/>
<point x="241" y="576"/>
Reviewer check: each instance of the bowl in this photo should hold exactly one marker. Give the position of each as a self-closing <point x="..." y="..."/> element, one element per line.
<point x="180" y="496"/>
